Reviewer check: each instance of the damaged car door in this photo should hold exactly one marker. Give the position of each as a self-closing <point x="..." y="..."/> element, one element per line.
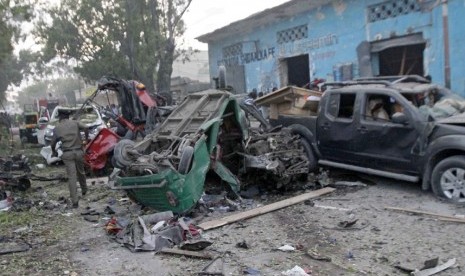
<point x="386" y="141"/>
<point x="336" y="128"/>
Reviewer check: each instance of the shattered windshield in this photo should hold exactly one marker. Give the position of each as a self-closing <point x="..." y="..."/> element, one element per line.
<point x="437" y="102"/>
<point x="88" y="114"/>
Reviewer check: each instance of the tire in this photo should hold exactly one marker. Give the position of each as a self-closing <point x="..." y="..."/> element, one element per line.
<point x="306" y="138"/>
<point x="448" y="179"/>
<point x="186" y="160"/>
<point x="312" y="164"/>
<point x="121" y="159"/>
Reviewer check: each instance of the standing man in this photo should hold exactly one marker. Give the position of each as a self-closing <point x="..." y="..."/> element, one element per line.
<point x="68" y="132"/>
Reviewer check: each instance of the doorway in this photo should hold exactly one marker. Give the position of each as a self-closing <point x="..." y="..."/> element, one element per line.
<point x="235" y="77"/>
<point x="402" y="60"/>
<point x="295" y="71"/>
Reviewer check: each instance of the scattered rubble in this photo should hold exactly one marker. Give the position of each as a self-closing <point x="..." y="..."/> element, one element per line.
<point x="296" y="271"/>
<point x="287" y="248"/>
<point x="14" y="173"/>
<point x="436" y="269"/>
<point x="154" y="232"/>
<point x="217" y="252"/>
<point x="8" y="246"/>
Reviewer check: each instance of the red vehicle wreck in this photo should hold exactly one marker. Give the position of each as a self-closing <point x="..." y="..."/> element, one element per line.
<point x="139" y="113"/>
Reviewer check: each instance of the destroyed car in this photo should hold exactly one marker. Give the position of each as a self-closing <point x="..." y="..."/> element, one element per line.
<point x="89" y="115"/>
<point x="205" y="140"/>
<point x="401" y="127"/>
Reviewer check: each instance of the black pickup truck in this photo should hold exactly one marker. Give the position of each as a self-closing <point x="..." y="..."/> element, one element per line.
<point x="404" y="128"/>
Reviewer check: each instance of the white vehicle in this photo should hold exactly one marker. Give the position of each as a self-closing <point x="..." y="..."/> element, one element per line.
<point x="89" y="116"/>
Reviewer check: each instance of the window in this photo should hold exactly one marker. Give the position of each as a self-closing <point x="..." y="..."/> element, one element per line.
<point x="232" y="50"/>
<point x="379" y="107"/>
<point x="341" y="105"/>
<point x="391" y="9"/>
<point x="292" y="34"/>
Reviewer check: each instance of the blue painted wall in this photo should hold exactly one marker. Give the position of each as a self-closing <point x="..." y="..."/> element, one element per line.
<point x="334" y="32"/>
<point x="457" y="44"/>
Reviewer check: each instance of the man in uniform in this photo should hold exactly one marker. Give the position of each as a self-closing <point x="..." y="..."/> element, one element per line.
<point x="68" y="132"/>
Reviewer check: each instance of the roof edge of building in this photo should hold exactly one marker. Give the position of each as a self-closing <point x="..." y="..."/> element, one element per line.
<point x="283" y="11"/>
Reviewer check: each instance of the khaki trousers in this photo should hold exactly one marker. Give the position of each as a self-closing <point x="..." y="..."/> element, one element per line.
<point x="74" y="162"/>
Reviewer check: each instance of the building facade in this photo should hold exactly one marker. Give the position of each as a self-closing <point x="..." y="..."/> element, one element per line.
<point x="302" y="40"/>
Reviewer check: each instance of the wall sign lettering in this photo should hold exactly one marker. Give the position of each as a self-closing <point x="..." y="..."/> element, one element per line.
<point x="246" y="58"/>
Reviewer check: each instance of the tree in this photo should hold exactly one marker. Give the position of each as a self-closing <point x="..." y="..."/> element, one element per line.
<point x="126" y="38"/>
<point x="12" y="13"/>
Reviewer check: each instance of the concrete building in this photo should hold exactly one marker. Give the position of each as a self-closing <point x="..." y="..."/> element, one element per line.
<point x="301" y="40"/>
<point x="195" y="67"/>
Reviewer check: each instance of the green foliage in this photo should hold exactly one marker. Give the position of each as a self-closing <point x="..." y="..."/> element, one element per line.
<point x="128" y="39"/>
<point x="12" y="12"/>
<point x="10" y="72"/>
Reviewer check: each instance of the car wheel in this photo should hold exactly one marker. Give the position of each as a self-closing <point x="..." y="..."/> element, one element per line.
<point x="121" y="158"/>
<point x="312" y="165"/>
<point x="186" y="160"/>
<point x="448" y="179"/>
<point x="305" y="135"/>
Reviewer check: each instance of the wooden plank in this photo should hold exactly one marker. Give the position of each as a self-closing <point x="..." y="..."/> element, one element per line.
<point x="295" y="111"/>
<point x="187" y="253"/>
<point x="453" y="220"/>
<point x="264" y="209"/>
<point x="273" y="113"/>
<point x="449" y="218"/>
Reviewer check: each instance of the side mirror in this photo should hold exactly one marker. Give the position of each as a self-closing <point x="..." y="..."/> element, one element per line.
<point x="400" y="118"/>
<point x="43" y="120"/>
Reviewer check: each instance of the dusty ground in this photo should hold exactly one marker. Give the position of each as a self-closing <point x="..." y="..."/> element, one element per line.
<point x="63" y="243"/>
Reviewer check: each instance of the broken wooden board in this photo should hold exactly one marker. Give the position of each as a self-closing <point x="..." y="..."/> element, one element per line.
<point x="459" y="220"/>
<point x="264" y="209"/>
<point x="186" y="253"/>
<point x="290" y="100"/>
<point x="214" y="268"/>
<point x="434" y="270"/>
<point x="439" y="216"/>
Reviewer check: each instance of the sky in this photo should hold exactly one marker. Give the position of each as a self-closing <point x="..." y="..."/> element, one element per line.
<point x="205" y="16"/>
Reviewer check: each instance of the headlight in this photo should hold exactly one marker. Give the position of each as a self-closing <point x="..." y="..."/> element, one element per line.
<point x="48" y="132"/>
